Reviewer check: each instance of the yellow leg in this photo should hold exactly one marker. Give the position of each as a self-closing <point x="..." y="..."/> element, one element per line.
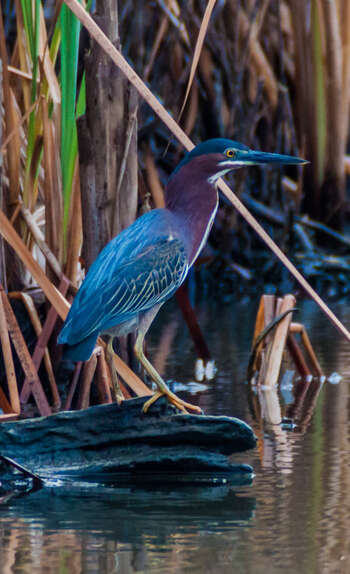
<point x="110" y="359"/>
<point x="163" y="388"/>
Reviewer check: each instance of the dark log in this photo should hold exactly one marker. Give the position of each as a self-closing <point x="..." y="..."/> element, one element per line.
<point x="109" y="439"/>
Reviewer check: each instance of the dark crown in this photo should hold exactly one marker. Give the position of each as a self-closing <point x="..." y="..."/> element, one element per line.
<point x="216" y="145"/>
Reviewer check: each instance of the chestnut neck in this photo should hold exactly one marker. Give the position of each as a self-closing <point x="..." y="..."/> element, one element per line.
<point x="193" y="199"/>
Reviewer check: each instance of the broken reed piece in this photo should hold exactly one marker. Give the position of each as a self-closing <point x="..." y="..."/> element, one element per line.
<point x="262" y="333"/>
<point x="298" y="356"/>
<point x="279" y="341"/>
<point x="299" y="328"/>
<point x="274" y="332"/>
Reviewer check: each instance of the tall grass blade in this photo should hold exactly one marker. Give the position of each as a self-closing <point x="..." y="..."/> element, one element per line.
<point x="70" y="29"/>
<point x="32" y="28"/>
<point x="28" y="25"/>
<point x="81" y="103"/>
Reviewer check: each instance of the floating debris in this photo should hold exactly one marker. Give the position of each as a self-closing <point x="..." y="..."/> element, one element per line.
<point x="204" y="370"/>
<point x="334" y="378"/>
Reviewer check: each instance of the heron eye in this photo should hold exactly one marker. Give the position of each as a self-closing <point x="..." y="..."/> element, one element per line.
<point x="230" y="153"/>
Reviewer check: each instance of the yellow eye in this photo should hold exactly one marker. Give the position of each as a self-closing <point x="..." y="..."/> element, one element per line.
<point x="230" y="153"/>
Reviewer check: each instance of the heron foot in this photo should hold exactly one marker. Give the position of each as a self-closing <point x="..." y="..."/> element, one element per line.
<point x="172" y="399"/>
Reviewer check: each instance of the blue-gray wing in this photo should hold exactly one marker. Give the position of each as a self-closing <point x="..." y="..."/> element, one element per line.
<point x="144" y="280"/>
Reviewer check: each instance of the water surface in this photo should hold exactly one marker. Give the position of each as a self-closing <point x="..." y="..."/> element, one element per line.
<point x="294" y="518"/>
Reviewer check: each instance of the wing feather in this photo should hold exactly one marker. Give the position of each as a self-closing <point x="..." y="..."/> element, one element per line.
<point x="144" y="280"/>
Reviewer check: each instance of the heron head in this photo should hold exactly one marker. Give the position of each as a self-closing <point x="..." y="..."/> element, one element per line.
<point x="219" y="156"/>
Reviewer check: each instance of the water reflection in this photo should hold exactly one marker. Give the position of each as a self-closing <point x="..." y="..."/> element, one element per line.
<point x="88" y="520"/>
<point x="295" y="518"/>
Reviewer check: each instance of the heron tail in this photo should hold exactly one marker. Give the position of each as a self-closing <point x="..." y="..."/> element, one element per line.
<point x="81" y="351"/>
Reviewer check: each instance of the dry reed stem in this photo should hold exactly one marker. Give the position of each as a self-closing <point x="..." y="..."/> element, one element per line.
<point x="279" y="342"/>
<point x="335" y="120"/>
<point x="39" y="239"/>
<point x="259" y="59"/>
<point x="153" y="180"/>
<point x="12" y="237"/>
<point x="172" y="10"/>
<point x="192" y="112"/>
<point x="73" y="386"/>
<point x="163" y="28"/>
<point x="103" y="380"/>
<point x="47" y="64"/>
<point x="300" y="329"/>
<point x="16" y="130"/>
<point x="21" y="53"/>
<point x="129" y="132"/>
<point x="345" y="37"/>
<point x="42" y="342"/>
<point x="297" y="356"/>
<point x="207" y="69"/>
<point x="309" y="349"/>
<point x="35" y="320"/>
<point x="263" y="350"/>
<point x="52" y="185"/>
<point x="13" y="157"/>
<point x="25" y="359"/>
<point x="197" y="52"/>
<point x="131" y="379"/>
<point x="20" y="73"/>
<point x="8" y="359"/>
<point x="87" y="378"/>
<point x="304" y="80"/>
<point x="259" y="321"/>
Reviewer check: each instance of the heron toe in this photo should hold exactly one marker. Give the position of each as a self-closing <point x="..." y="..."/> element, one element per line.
<point x="172" y="399"/>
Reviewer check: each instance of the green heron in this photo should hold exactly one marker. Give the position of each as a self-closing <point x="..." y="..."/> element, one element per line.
<point x="145" y="264"/>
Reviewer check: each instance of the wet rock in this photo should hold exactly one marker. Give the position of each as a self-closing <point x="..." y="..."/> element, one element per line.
<point x="121" y="439"/>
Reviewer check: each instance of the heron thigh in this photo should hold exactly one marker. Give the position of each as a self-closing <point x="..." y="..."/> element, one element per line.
<point x="122" y="329"/>
<point x="146" y="318"/>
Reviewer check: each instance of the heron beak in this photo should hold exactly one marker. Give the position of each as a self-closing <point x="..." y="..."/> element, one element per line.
<point x="252" y="157"/>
